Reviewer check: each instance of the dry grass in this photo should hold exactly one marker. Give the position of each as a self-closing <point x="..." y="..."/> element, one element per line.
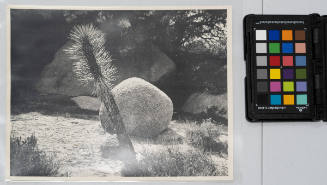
<point x="84" y="149"/>
<point x="174" y="162"/>
<point x="193" y="150"/>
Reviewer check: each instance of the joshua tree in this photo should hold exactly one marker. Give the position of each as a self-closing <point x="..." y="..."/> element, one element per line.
<point x="93" y="64"/>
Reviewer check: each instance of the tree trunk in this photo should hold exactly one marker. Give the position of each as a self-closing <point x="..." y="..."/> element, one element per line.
<point x="114" y="115"/>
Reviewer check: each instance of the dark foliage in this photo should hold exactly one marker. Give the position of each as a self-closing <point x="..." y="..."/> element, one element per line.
<point x="211" y="113"/>
<point x="194" y="39"/>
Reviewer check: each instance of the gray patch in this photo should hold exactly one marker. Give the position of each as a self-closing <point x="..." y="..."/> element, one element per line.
<point x="261" y="47"/>
<point x="261" y="73"/>
<point x="262" y="86"/>
<point x="261" y="60"/>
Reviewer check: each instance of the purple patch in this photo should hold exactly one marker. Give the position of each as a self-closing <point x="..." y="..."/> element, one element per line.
<point x="288" y="73"/>
<point x="301" y="86"/>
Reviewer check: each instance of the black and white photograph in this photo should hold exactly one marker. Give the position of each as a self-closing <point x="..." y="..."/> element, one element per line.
<point x="120" y="93"/>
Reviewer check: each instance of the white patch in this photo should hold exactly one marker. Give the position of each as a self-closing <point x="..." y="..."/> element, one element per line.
<point x="261" y="35"/>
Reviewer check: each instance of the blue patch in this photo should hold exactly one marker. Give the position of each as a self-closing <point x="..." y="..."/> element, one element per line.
<point x="274" y="34"/>
<point x="275" y="99"/>
<point x="300" y="61"/>
<point x="287" y="47"/>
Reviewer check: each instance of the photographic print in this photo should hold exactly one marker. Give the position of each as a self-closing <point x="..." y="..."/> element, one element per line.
<point x="120" y="94"/>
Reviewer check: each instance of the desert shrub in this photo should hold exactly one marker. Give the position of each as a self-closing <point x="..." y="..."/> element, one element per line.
<point x="27" y="160"/>
<point x="174" y="162"/>
<point x="203" y="137"/>
<point x="216" y="114"/>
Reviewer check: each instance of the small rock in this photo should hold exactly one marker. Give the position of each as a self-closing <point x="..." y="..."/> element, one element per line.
<point x="201" y="102"/>
<point x="87" y="102"/>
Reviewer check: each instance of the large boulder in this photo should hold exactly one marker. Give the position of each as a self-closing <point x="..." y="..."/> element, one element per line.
<point x="57" y="77"/>
<point x="146" y="110"/>
<point x="201" y="102"/>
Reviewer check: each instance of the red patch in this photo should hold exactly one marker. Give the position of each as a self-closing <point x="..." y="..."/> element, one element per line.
<point x="274" y="60"/>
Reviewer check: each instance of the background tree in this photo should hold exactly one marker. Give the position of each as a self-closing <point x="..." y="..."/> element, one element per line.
<point x="195" y="40"/>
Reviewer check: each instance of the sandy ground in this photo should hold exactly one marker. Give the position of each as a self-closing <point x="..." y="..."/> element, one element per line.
<point x="84" y="149"/>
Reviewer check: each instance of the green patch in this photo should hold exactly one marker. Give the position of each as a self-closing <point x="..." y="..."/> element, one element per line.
<point x="288" y="86"/>
<point x="274" y="48"/>
<point x="301" y="73"/>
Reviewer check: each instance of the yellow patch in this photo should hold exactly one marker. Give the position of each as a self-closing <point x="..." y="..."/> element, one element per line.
<point x="274" y="73"/>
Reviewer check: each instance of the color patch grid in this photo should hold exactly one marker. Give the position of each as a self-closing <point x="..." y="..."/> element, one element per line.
<point x="281" y="67"/>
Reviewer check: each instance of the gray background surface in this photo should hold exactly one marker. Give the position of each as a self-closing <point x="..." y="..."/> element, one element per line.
<point x="270" y="153"/>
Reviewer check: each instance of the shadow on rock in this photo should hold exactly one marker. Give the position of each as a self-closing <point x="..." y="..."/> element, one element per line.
<point x="52" y="105"/>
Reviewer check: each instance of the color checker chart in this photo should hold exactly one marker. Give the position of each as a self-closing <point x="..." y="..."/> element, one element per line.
<point x="281" y="67"/>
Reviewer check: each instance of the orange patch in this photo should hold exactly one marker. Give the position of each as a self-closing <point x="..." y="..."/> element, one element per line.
<point x="287" y="35"/>
<point x="288" y="99"/>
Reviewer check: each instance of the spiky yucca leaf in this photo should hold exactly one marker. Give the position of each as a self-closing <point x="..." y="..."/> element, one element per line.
<point x="93" y="64"/>
<point x="92" y="61"/>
